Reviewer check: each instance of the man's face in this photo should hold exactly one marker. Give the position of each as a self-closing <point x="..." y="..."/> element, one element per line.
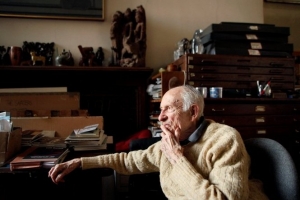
<point x="172" y="116"/>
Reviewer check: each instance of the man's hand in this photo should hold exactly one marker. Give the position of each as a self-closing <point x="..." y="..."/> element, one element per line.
<point x="170" y="145"/>
<point x="59" y="171"/>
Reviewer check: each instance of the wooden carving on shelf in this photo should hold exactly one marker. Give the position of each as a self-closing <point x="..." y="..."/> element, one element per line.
<point x="128" y="37"/>
<point x="88" y="56"/>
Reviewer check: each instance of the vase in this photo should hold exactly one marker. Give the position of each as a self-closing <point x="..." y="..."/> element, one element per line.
<point x="15" y="55"/>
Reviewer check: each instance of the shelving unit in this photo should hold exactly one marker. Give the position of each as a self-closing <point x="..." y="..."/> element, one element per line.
<point x="116" y="93"/>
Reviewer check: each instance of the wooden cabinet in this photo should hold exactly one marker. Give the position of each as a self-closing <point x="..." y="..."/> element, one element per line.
<point x="254" y="117"/>
<point x="240" y="106"/>
<point x="238" y="72"/>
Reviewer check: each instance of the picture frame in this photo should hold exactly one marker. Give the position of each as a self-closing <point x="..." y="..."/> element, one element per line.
<point x="284" y="1"/>
<point x="53" y="9"/>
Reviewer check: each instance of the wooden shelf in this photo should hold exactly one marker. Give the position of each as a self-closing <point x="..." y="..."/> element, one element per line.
<point x="116" y="93"/>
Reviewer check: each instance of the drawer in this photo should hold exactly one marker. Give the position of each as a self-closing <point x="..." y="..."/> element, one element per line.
<point x="260" y="120"/>
<point x="205" y="59"/>
<point x="250" y="109"/>
<point x="275" y="85"/>
<point x="240" y="70"/>
<point x="278" y="132"/>
<point x="238" y="77"/>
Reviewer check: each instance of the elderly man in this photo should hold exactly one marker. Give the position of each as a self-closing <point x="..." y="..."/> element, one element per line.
<point x="197" y="158"/>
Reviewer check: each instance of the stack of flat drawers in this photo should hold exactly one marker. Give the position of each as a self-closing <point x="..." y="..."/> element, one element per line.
<point x="238" y="73"/>
<point x="276" y="118"/>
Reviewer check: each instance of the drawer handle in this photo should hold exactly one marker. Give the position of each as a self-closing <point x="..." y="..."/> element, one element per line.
<point x="261" y="132"/>
<point x="295" y="109"/>
<point x="260" y="109"/>
<point x="217" y="110"/>
<point x="191" y="83"/>
<point x="297" y="131"/>
<point x="191" y="66"/>
<point x="295" y="120"/>
<point x="260" y="120"/>
<point x="208" y="61"/>
<point x="208" y="77"/>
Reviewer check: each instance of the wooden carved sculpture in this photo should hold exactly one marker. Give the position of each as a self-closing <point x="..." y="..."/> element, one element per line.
<point x="88" y="56"/>
<point x="133" y="36"/>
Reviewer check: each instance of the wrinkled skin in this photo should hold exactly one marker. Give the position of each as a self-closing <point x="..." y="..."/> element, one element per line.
<point x="176" y="124"/>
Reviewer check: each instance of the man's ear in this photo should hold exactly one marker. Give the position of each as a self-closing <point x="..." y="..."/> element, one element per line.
<point x="194" y="110"/>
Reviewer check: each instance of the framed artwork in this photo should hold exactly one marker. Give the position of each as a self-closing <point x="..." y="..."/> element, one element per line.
<point x="284" y="1"/>
<point x="53" y="9"/>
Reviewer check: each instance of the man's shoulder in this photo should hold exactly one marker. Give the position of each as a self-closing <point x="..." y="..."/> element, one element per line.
<point x="215" y="129"/>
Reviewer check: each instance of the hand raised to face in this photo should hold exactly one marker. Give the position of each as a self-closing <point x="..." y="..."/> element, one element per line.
<point x="170" y="145"/>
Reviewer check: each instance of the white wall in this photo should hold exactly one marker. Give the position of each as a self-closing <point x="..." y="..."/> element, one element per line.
<point x="168" y="21"/>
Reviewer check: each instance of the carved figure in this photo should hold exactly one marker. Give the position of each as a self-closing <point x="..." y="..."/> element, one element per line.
<point x="99" y="56"/>
<point x="2" y="51"/>
<point x="36" y="58"/>
<point x="88" y="56"/>
<point x="116" y="37"/>
<point x="6" y="57"/>
<point x="140" y="35"/>
<point x="133" y="38"/>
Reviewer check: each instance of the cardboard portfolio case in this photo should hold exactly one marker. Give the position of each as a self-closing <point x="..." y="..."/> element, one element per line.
<point x="10" y="144"/>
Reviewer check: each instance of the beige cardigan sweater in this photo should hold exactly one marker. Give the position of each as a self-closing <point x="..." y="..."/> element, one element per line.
<point x="214" y="167"/>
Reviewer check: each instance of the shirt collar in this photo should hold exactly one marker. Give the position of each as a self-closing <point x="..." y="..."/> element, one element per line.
<point x="197" y="133"/>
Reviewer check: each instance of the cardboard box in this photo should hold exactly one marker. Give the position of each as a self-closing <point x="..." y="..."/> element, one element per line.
<point x="62" y="125"/>
<point x="40" y="101"/>
<point x="10" y="144"/>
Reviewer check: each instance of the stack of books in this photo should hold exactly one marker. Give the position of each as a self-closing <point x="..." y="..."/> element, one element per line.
<point x="48" y="141"/>
<point x="37" y="157"/>
<point x="87" y="138"/>
<point x="29" y="136"/>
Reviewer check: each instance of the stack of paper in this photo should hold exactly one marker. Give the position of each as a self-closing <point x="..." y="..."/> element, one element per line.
<point x="155" y="90"/>
<point x="46" y="141"/>
<point x="29" y="136"/>
<point x="87" y="138"/>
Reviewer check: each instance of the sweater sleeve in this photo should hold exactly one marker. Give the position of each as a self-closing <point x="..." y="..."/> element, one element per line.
<point x="220" y="171"/>
<point x="134" y="162"/>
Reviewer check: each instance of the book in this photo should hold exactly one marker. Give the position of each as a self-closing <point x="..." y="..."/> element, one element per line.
<point x="37" y="157"/>
<point x="73" y="136"/>
<point x="31" y="134"/>
<point x="95" y="133"/>
<point x="86" y="129"/>
<point x="33" y="157"/>
<point x="44" y="154"/>
<point x="47" y="141"/>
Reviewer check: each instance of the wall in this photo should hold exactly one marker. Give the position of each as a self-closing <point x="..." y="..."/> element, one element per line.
<point x="168" y="21"/>
<point x="287" y="15"/>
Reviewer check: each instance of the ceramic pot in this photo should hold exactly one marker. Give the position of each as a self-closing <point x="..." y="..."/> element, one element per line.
<point x="15" y="54"/>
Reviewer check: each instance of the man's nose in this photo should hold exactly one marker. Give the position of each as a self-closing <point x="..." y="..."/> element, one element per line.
<point x="162" y="116"/>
